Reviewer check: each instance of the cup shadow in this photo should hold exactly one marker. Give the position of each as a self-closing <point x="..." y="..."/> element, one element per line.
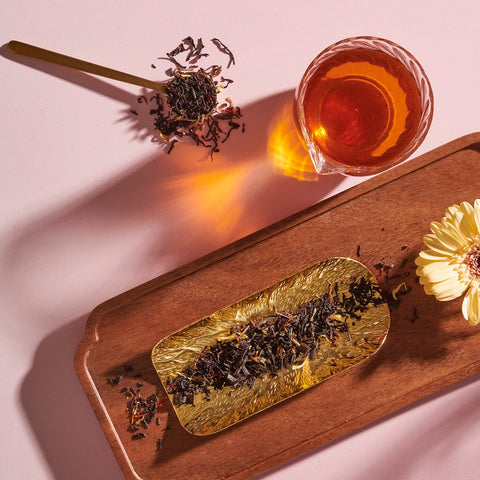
<point x="254" y="167"/>
<point x="168" y="209"/>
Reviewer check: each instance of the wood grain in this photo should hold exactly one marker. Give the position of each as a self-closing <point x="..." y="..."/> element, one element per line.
<point x="428" y="348"/>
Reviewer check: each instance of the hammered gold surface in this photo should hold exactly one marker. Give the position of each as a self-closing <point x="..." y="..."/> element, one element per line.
<point x="228" y="406"/>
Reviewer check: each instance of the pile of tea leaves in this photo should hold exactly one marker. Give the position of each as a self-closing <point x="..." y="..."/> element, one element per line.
<point x="265" y="346"/>
<point x="190" y="105"/>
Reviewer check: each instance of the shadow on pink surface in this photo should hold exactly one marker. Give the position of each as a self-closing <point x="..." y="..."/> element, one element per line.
<point x="204" y="205"/>
<point x="165" y="211"/>
<point x="60" y="416"/>
<point x="406" y="454"/>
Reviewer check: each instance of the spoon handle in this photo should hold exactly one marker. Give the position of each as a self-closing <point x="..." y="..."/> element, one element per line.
<point x="71" y="62"/>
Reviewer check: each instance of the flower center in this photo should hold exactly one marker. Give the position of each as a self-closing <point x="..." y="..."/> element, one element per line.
<point x="472" y="260"/>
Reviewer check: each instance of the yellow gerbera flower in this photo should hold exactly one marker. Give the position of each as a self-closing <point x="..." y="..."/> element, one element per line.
<point x="451" y="265"/>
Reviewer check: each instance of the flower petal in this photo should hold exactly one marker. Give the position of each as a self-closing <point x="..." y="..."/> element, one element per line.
<point x="452" y="211"/>
<point x="462" y="227"/>
<point x="449" y="289"/>
<point x="433" y="243"/>
<point x="465" y="221"/>
<point x="427" y="256"/>
<point x="467" y="209"/>
<point x="437" y="271"/>
<point x="476" y="214"/>
<point x="471" y="306"/>
<point x="449" y="236"/>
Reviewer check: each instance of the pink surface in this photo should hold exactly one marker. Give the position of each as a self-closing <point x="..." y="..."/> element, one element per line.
<point x="91" y="207"/>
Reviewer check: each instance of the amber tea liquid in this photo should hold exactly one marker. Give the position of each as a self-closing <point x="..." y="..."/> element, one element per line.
<point x="362" y="107"/>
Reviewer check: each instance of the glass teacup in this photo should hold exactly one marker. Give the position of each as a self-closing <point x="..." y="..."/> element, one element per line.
<point x="363" y="105"/>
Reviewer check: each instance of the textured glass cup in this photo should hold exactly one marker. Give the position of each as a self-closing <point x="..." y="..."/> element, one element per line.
<point x="363" y="105"/>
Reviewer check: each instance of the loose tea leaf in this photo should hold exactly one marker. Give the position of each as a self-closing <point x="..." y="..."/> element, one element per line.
<point x="190" y="106"/>
<point x="116" y="380"/>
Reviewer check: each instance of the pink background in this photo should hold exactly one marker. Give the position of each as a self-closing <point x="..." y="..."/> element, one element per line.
<point x="91" y="207"/>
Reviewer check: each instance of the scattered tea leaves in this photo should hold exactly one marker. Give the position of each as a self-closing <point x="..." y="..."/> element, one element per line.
<point x="116" y="380"/>
<point x="190" y="106"/>
<point x="141" y="410"/>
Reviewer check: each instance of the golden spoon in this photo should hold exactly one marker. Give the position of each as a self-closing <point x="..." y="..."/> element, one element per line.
<point x="190" y="94"/>
<point x="71" y="62"/>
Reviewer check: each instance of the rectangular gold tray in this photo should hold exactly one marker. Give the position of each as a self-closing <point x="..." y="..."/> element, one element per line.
<point x="364" y="333"/>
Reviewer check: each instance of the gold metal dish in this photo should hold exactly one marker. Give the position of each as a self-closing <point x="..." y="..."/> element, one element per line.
<point x="363" y="334"/>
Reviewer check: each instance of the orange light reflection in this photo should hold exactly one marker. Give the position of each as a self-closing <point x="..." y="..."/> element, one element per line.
<point x="216" y="198"/>
<point x="287" y="150"/>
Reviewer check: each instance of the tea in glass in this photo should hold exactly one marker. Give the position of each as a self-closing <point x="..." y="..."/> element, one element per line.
<point x="363" y="105"/>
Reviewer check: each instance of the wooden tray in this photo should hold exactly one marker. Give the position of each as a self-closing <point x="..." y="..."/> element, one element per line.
<point x="429" y="345"/>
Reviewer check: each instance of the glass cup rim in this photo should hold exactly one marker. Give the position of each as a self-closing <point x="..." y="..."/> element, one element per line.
<point x="394" y="50"/>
